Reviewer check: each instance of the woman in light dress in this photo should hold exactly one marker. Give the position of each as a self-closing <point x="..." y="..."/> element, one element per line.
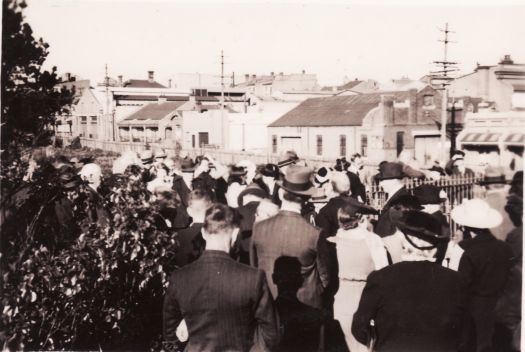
<point x="359" y="252"/>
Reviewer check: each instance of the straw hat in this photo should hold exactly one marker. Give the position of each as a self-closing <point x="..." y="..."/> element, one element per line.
<point x="297" y="181"/>
<point x="476" y="213"/>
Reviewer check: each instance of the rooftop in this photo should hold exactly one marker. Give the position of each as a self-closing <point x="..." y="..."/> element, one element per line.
<point x="142" y="83"/>
<point x="346" y="110"/>
<point x="155" y="111"/>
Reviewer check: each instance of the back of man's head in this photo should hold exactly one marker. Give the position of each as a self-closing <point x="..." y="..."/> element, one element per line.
<point x="219" y="220"/>
<point x="340" y="183"/>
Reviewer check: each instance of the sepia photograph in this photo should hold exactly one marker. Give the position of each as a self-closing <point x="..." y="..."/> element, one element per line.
<point x="250" y="175"/>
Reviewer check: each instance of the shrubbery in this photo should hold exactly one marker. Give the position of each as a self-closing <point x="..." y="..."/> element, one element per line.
<point x="102" y="290"/>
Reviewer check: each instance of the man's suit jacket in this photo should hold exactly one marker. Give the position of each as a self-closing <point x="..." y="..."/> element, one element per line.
<point x="327" y="217"/>
<point x="191" y="245"/>
<point x="241" y="248"/>
<point x="384" y="226"/>
<point x="182" y="189"/>
<point x="226" y="305"/>
<point x="357" y="188"/>
<point x="288" y="234"/>
<point x="416" y="306"/>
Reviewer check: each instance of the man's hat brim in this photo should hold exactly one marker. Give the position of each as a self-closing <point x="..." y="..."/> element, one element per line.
<point x="309" y="189"/>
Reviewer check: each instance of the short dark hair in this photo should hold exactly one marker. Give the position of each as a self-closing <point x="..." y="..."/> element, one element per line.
<point x="348" y="217"/>
<point x="219" y="219"/>
<point x="200" y="194"/>
<point x="294" y="198"/>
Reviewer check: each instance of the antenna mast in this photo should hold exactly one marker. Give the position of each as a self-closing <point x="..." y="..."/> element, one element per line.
<point x="222" y="102"/>
<point x="440" y="79"/>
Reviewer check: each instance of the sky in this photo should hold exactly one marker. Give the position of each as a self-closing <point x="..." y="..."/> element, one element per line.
<point x="374" y="40"/>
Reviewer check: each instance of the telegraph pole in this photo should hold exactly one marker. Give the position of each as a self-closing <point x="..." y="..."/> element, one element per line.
<point x="443" y="78"/>
<point x="222" y="102"/>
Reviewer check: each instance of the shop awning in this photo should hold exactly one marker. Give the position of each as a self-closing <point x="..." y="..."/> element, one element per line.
<point x="516" y="138"/>
<point x="481" y="138"/>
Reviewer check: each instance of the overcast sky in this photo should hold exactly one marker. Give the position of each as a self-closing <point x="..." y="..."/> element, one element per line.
<point x="378" y="41"/>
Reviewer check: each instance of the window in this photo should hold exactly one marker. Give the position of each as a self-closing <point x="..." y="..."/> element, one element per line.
<point x="364" y="144"/>
<point x="400" y="143"/>
<point x="319" y="144"/>
<point x="274" y="144"/>
<point x="428" y="100"/>
<point x="342" y="145"/>
<point x="203" y="139"/>
<point x="93" y="120"/>
<point x="193" y="141"/>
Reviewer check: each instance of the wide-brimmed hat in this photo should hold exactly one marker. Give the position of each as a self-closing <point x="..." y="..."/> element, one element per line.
<point x="390" y="170"/>
<point x="429" y="194"/>
<point x="341" y="164"/>
<point x="407" y="201"/>
<point x="319" y="196"/>
<point x="146" y="156"/>
<point x="69" y="180"/>
<point x="322" y="175"/>
<point x="493" y="175"/>
<point x="297" y="181"/>
<point x="289" y="159"/>
<point x="421" y="225"/>
<point x="253" y="189"/>
<point x="187" y="165"/>
<point x="458" y="155"/>
<point x="476" y="213"/>
<point x="160" y="154"/>
<point x="270" y="170"/>
<point x="359" y="207"/>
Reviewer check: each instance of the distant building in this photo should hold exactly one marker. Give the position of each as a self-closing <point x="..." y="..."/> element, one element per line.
<point x="353" y="87"/>
<point x="268" y="85"/>
<point x="377" y="125"/>
<point x="502" y="85"/>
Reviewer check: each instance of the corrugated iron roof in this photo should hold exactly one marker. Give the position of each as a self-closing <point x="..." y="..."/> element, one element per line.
<point x="155" y="111"/>
<point x="150" y="97"/>
<point x="334" y="111"/>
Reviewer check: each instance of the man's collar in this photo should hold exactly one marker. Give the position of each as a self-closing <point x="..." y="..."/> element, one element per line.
<point x="292" y="209"/>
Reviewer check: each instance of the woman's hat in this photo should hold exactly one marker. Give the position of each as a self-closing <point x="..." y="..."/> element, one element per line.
<point x="476" y="213"/>
<point x="253" y="189"/>
<point x="421" y="225"/>
<point x="270" y="170"/>
<point x="69" y="180"/>
<point x="341" y="164"/>
<point x="493" y="175"/>
<point x="322" y="176"/>
<point x="319" y="196"/>
<point x="160" y="154"/>
<point x="187" y="165"/>
<point x="429" y="194"/>
<point x="390" y="170"/>
<point x="358" y="207"/>
<point x="297" y="181"/>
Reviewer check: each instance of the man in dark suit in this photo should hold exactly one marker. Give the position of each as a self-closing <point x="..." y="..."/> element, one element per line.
<point x="390" y="178"/>
<point x="190" y="240"/>
<point x="416" y="305"/>
<point x="288" y="234"/>
<point x="484" y="266"/>
<point x="226" y="306"/>
<point x="357" y="188"/>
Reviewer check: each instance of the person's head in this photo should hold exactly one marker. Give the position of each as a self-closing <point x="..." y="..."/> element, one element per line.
<point x="198" y="201"/>
<point x="219" y="226"/>
<point x="348" y="217"/>
<point x="92" y="173"/>
<point x="340" y="183"/>
<point x="390" y="176"/>
<point x="289" y="158"/>
<point x="296" y="187"/>
<point x="237" y="175"/>
<point x="357" y="161"/>
<point x="266" y="209"/>
<point x="252" y="193"/>
<point x="494" y="178"/>
<point x="166" y="198"/>
<point x="430" y="197"/>
<point x="460" y="164"/>
<point x="146" y="157"/>
<point x="287" y="275"/>
<point x="422" y="237"/>
<point x="250" y="168"/>
<point x="270" y="173"/>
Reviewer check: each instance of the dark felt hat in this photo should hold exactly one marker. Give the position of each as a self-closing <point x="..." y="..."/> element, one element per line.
<point x="358" y="207"/>
<point x="421" y="225"/>
<point x="253" y="189"/>
<point x="341" y="164"/>
<point x="493" y="175"/>
<point x="238" y="171"/>
<point x="270" y="170"/>
<point x="428" y="194"/>
<point x="187" y="165"/>
<point x="290" y="158"/>
<point x="390" y="170"/>
<point x="297" y="181"/>
<point x="407" y="201"/>
<point x="322" y="176"/>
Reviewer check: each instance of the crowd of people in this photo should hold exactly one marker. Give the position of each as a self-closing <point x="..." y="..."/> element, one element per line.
<point x="282" y="257"/>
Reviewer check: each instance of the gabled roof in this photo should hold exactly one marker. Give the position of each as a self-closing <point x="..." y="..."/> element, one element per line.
<point x="346" y="110"/>
<point x="155" y="111"/>
<point x="150" y="97"/>
<point x="142" y="83"/>
<point x="347" y="86"/>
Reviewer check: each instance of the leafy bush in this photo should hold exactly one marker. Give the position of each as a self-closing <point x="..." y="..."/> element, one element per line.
<point x="102" y="290"/>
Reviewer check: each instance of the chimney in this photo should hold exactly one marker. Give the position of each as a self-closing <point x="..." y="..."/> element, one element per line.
<point x="507" y="60"/>
<point x="254" y="77"/>
<point x="169" y="83"/>
<point x="120" y="77"/>
<point x="304" y="71"/>
<point x="387" y="105"/>
<point x="412" y="106"/>
<point x="246" y="77"/>
<point x="272" y="74"/>
<point x="151" y="78"/>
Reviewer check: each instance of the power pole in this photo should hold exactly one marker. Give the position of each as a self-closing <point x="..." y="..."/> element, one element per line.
<point x="222" y="102"/>
<point x="443" y="78"/>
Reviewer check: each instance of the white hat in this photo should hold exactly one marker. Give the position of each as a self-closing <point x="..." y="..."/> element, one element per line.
<point x="476" y="213"/>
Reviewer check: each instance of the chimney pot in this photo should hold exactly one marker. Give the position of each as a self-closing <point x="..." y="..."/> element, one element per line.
<point x="272" y="74"/>
<point x="120" y="77"/>
<point x="169" y="83"/>
<point x="304" y="71"/>
<point x="281" y="73"/>
<point x="254" y="77"/>
<point x="151" y="76"/>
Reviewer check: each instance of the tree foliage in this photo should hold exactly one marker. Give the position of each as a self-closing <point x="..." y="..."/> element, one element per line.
<point x="30" y="100"/>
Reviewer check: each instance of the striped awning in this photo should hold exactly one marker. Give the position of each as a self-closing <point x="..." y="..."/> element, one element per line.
<point x="481" y="138"/>
<point x="516" y="138"/>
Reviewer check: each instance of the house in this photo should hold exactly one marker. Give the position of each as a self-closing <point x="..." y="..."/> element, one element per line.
<point x="377" y="125"/>
<point x="502" y="85"/>
<point x="267" y="85"/>
<point x="354" y="87"/>
<point x="494" y="138"/>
